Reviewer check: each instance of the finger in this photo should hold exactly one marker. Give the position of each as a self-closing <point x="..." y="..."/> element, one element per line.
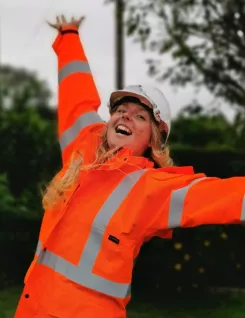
<point x="49" y="23"/>
<point x="52" y="25"/>
<point x="63" y="19"/>
<point x="58" y="21"/>
<point x="81" y="19"/>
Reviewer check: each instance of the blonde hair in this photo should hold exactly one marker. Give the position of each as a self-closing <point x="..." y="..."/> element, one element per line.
<point x="67" y="179"/>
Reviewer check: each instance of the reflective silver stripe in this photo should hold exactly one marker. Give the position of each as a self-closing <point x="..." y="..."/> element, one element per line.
<point x="243" y="210"/>
<point x="82" y="273"/>
<point x="176" y="207"/>
<point x="83" y="121"/>
<point x="39" y="248"/>
<point x="73" y="67"/>
<point x="129" y="287"/>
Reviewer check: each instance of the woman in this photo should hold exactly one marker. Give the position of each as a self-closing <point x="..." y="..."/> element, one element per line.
<point x="116" y="190"/>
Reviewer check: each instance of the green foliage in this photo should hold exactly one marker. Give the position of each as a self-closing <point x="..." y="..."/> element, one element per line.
<point x="196" y="127"/>
<point x="29" y="158"/>
<point x="21" y="89"/>
<point x="30" y="153"/>
<point x="19" y="227"/>
<point x="6" y="198"/>
<point x="206" y="40"/>
<point x="18" y="239"/>
<point x="209" y="142"/>
<point x="192" y="262"/>
<point x="223" y="163"/>
<point x="30" y="149"/>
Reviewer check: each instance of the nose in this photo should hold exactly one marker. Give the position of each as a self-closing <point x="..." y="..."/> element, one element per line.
<point x="126" y="115"/>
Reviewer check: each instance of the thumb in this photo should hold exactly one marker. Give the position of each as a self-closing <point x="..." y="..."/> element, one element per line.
<point x="52" y="25"/>
<point x="81" y="20"/>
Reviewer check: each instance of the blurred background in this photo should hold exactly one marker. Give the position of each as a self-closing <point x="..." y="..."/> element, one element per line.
<point x="194" y="50"/>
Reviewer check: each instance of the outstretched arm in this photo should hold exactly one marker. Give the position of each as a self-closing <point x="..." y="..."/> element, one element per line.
<point x="208" y="201"/>
<point x="199" y="200"/>
<point x="78" y="98"/>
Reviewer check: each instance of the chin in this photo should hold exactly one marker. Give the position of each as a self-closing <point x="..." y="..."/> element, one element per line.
<point x="113" y="144"/>
<point x="116" y="142"/>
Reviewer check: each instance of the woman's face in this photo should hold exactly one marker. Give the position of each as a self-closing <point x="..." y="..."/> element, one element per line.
<point x="130" y="127"/>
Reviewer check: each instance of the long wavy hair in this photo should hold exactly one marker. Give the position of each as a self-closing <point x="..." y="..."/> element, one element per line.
<point x="67" y="179"/>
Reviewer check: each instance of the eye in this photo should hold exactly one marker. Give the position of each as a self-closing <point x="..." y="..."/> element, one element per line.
<point x="120" y="110"/>
<point x="141" y="117"/>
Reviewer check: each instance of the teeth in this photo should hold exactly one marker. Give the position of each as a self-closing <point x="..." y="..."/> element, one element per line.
<point x="124" y="128"/>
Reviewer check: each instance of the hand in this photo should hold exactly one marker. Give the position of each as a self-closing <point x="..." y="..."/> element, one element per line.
<point x="61" y="22"/>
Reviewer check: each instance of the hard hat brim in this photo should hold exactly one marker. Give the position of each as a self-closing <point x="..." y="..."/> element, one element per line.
<point x="122" y="93"/>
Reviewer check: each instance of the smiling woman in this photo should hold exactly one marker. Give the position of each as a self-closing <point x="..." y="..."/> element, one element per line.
<point x="130" y="126"/>
<point x="116" y="190"/>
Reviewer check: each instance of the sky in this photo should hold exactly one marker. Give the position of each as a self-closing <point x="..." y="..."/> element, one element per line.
<point x="26" y="41"/>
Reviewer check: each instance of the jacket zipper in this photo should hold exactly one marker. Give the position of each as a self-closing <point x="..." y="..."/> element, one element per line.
<point x="75" y="190"/>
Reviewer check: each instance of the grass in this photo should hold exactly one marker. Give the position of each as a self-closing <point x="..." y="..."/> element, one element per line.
<point x="8" y="302"/>
<point x="232" y="307"/>
<point x="222" y="312"/>
<point x="212" y="306"/>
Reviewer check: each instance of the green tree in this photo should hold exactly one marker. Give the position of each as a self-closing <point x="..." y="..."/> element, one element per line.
<point x="7" y="201"/>
<point x="29" y="157"/>
<point x="208" y="141"/>
<point x="198" y="128"/>
<point x="21" y="89"/>
<point x="28" y="141"/>
<point x="239" y="124"/>
<point x="206" y="40"/>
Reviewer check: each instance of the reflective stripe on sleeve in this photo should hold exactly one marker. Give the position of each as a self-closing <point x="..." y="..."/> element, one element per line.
<point x="83" y="121"/>
<point x="39" y="248"/>
<point x="243" y="210"/>
<point x="73" y="67"/>
<point x="82" y="273"/>
<point x="177" y="200"/>
<point x="176" y="207"/>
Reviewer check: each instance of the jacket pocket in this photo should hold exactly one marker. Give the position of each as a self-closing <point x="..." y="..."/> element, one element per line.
<point x="114" y="260"/>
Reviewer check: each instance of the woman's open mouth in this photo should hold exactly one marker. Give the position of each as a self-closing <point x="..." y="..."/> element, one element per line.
<point x="123" y="130"/>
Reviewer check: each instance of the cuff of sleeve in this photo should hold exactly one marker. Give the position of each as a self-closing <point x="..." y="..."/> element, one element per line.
<point x="69" y="29"/>
<point x="64" y="30"/>
<point x="56" y="42"/>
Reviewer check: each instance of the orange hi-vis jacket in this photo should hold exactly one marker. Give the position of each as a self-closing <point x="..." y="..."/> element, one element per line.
<point x="88" y="245"/>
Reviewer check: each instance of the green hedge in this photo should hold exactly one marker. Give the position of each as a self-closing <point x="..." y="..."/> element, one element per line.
<point x="194" y="260"/>
<point x="223" y="162"/>
<point x="17" y="244"/>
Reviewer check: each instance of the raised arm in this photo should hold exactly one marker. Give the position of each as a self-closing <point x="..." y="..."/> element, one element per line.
<point x="201" y="201"/>
<point x="78" y="98"/>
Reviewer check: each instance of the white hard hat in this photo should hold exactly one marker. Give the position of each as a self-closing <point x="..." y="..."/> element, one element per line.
<point x="152" y="97"/>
